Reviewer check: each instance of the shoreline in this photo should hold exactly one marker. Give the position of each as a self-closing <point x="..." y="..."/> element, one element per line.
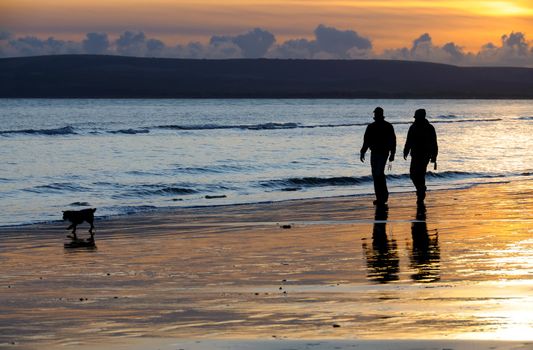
<point x="171" y="209"/>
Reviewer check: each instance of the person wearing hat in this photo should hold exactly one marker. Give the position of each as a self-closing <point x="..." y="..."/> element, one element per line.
<point x="422" y="144"/>
<point x="381" y="139"/>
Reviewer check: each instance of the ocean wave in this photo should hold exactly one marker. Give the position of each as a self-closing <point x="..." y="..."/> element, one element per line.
<point x="264" y="126"/>
<point x="272" y="126"/>
<point x="80" y="204"/>
<point x="129" y="210"/>
<point x="461" y="174"/>
<point x="292" y="125"/>
<point x="293" y="184"/>
<point x="69" y="130"/>
<point x="215" y="169"/>
<point x="448" y="116"/>
<point x="180" y="170"/>
<point x="468" y="120"/>
<point x="157" y="190"/>
<point x="66" y="130"/>
<point x="297" y="183"/>
<point x="57" y="187"/>
<point x="141" y="173"/>
<point x="130" y="131"/>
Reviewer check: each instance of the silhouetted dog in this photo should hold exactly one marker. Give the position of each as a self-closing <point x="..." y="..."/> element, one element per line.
<point x="76" y="217"/>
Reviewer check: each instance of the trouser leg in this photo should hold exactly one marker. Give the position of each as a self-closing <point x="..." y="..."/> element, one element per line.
<point x="378" y="162"/>
<point x="417" y="173"/>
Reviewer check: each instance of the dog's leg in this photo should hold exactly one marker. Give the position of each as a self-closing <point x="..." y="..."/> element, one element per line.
<point x="91" y="232"/>
<point x="73" y="236"/>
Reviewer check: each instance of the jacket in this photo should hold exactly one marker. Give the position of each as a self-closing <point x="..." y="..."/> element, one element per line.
<point x="421" y="141"/>
<point x="380" y="138"/>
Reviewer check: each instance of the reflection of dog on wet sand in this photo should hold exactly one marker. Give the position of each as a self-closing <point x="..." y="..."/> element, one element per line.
<point x="76" y="217"/>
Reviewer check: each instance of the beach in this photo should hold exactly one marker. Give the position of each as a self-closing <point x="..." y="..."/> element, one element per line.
<point x="289" y="175"/>
<point x="310" y="273"/>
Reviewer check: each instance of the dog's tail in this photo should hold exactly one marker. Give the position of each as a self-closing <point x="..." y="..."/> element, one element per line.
<point x="93" y="209"/>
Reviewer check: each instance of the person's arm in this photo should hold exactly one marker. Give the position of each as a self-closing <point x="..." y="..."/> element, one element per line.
<point x="366" y="144"/>
<point x="392" y="144"/>
<point x="408" y="143"/>
<point x="435" y="145"/>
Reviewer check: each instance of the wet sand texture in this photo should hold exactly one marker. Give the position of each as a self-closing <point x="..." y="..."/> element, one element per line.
<point x="233" y="277"/>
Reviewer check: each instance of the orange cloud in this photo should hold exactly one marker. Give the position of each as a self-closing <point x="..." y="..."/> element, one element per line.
<point x="390" y="23"/>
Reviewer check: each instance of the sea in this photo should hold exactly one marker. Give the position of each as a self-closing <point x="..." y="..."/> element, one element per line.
<point x="124" y="156"/>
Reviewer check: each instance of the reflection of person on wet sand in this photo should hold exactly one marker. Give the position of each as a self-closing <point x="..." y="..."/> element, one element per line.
<point x="382" y="258"/>
<point x="425" y="255"/>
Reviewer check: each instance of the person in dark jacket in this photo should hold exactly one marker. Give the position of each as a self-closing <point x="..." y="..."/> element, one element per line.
<point x="381" y="139"/>
<point x="422" y="144"/>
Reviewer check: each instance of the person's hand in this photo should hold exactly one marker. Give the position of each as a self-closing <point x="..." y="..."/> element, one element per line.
<point x="391" y="158"/>
<point x="362" y="157"/>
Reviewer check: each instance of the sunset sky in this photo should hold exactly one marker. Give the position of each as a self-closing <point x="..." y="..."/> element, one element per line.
<point x="388" y="23"/>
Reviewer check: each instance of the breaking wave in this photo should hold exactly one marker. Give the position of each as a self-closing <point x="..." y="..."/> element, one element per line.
<point x="265" y="126"/>
<point x="282" y="126"/>
<point x="56" y="187"/>
<point x="130" y="131"/>
<point x="67" y="130"/>
<point x="158" y="190"/>
<point x="296" y="183"/>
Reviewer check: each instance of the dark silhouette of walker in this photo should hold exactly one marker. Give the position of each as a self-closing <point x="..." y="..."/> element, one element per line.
<point x="381" y="139"/>
<point x="422" y="144"/>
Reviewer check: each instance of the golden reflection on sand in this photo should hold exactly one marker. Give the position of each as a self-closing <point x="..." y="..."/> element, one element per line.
<point x="460" y="268"/>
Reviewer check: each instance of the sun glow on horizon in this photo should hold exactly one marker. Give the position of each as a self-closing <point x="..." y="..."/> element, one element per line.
<point x="505" y="8"/>
<point x="491" y="8"/>
<point x="388" y="23"/>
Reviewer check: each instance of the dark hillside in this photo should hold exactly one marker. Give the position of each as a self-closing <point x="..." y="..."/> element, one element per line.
<point x="73" y="76"/>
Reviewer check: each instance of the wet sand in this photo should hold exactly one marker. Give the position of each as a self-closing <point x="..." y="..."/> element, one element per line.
<point x="458" y="275"/>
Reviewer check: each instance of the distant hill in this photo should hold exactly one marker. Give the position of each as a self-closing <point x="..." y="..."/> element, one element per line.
<point x="91" y="76"/>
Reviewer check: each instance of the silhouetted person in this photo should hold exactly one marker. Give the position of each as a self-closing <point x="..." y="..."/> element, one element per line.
<point x="422" y="144"/>
<point x="382" y="260"/>
<point x="381" y="139"/>
<point x="425" y="255"/>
